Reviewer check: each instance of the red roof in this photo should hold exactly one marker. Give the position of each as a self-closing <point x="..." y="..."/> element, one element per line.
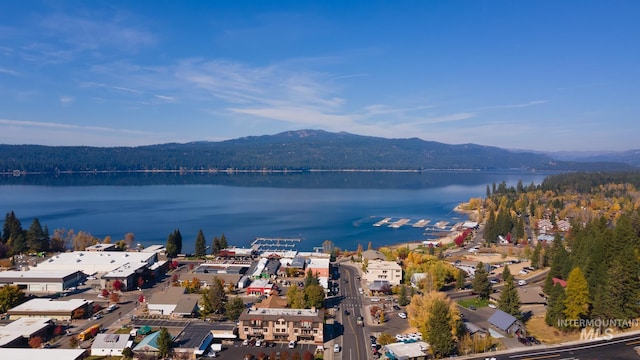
<point x="559" y="281"/>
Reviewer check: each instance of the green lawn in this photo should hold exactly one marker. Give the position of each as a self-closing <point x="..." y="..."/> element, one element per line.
<point x="475" y="302"/>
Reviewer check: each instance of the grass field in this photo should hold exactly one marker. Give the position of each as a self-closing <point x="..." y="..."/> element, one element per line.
<point x="475" y="302"/>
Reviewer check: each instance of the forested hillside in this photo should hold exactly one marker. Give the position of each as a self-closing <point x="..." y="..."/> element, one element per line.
<point x="294" y="150"/>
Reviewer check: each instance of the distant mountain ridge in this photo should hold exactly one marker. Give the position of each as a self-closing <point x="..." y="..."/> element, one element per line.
<point x="301" y="150"/>
<point x="631" y="157"/>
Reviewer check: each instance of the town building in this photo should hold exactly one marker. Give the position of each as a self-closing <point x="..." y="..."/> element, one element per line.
<point x="110" y="344"/>
<point x="383" y="270"/>
<point x="173" y="302"/>
<point x="282" y="325"/>
<point x="260" y="287"/>
<point x="50" y="354"/>
<point x="418" y="350"/>
<point x="19" y="332"/>
<point x="49" y="308"/>
<point x="148" y="347"/>
<point x="43" y="282"/>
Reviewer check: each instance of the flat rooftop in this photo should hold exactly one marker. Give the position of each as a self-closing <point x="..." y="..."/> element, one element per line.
<point x="25" y="326"/>
<point x="44" y="305"/>
<point x="16" y="275"/>
<point x="91" y="262"/>
<point x="49" y="354"/>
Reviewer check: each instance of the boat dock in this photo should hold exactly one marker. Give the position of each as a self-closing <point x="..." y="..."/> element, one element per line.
<point x="398" y="223"/>
<point x="442" y="224"/>
<point x="421" y="223"/>
<point x="382" y="222"/>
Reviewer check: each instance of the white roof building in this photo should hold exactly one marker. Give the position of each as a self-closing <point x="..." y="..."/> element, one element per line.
<point x="57" y="309"/>
<point x="110" y="344"/>
<point x="22" y="328"/>
<point x="49" y="354"/>
<point x="91" y="262"/>
<point x="408" y="351"/>
<point x="42" y="281"/>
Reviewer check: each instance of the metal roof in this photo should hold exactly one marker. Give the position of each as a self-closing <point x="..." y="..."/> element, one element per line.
<point x="502" y="320"/>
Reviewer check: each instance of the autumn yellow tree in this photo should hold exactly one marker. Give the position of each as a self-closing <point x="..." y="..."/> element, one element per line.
<point x="420" y="310"/>
<point x="577" y="295"/>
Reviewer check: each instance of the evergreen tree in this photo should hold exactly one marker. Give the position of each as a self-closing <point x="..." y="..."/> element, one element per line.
<point x="311" y="279"/>
<point x="460" y="277"/>
<point x="440" y="335"/>
<point x="223" y="242"/>
<point x="178" y="241"/>
<point x="619" y="298"/>
<point x="234" y="308"/>
<point x="509" y="301"/>
<point x="555" y="306"/>
<point x="164" y="342"/>
<point x="215" y="246"/>
<point x="36" y="239"/>
<point x="217" y="296"/>
<point x="490" y="230"/>
<point x="206" y="306"/>
<point x="481" y="284"/>
<point x="201" y="245"/>
<point x="171" y="247"/>
<point x="11" y="227"/>
<point x="403" y="298"/>
<point x="536" y="256"/>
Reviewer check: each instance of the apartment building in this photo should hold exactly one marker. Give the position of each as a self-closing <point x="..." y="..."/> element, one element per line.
<point x="384" y="270"/>
<point x="282" y="325"/>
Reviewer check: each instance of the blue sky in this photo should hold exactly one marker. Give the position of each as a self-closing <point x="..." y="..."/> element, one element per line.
<point x="539" y="75"/>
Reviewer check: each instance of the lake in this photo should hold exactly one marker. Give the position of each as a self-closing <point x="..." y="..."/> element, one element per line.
<point x="341" y="206"/>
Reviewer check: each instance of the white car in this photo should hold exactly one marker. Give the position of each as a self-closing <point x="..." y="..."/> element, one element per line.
<point x="258" y="343"/>
<point x="522" y="283"/>
<point x="401" y="337"/>
<point x="292" y="344"/>
<point x="523" y="272"/>
<point x="336" y="348"/>
<point x="402" y="315"/>
<point x="492" y="305"/>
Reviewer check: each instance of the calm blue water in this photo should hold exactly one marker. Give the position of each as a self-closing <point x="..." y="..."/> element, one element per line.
<point x="327" y="210"/>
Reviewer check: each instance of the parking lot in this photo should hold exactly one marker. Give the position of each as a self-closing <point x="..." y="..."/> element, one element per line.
<point x="237" y="351"/>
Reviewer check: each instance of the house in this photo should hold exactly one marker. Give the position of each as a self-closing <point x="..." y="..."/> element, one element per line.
<point x="380" y="287"/>
<point x="110" y="344"/>
<point x="416" y="278"/>
<point x="49" y="308"/>
<point x="193" y="341"/>
<point x="373" y="255"/>
<point x="473" y="329"/>
<point x="282" y="324"/>
<point x="384" y="270"/>
<point x="148" y="347"/>
<point x="418" y="350"/>
<point x="174" y="303"/>
<point x="505" y="322"/>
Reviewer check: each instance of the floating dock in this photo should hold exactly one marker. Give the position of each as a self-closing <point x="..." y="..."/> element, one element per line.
<point x="421" y="223"/>
<point x="398" y="223"/>
<point x="382" y="222"/>
<point x="442" y="224"/>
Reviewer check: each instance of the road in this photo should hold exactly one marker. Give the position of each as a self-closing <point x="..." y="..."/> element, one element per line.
<point x="622" y="348"/>
<point x="354" y="344"/>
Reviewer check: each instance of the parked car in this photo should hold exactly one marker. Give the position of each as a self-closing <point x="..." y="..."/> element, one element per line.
<point x="492" y="305"/>
<point x="396" y="307"/>
<point x="245" y="342"/>
<point x="533" y="340"/>
<point x="402" y="315"/>
<point x="472" y="307"/>
<point x="336" y="348"/>
<point x="258" y="343"/>
<point x="522" y="283"/>
<point x="524" y="341"/>
<point x="292" y="344"/>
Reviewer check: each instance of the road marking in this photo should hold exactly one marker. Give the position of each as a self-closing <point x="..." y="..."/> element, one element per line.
<point x="542" y="357"/>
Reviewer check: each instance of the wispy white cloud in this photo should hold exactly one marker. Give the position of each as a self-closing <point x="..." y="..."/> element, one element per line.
<point x="8" y="72"/>
<point x="66" y="99"/>
<point x="56" y="125"/>
<point x="165" y="98"/>
<point x="515" y="106"/>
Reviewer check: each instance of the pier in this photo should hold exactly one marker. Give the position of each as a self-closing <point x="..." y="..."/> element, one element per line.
<point x="421" y="223"/>
<point x="397" y="224"/>
<point x="382" y="222"/>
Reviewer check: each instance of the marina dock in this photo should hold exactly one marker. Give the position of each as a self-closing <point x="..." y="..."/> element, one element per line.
<point x="275" y="244"/>
<point x="398" y="223"/>
<point x="421" y="223"/>
<point x="382" y="222"/>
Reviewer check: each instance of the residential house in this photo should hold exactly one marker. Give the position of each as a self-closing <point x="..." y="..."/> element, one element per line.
<point x="110" y="344"/>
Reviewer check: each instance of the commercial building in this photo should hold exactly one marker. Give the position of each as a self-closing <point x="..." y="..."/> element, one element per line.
<point x="43" y="281"/>
<point x="110" y="344"/>
<point x="260" y="287"/>
<point x="408" y="351"/>
<point x="49" y="354"/>
<point x="282" y="324"/>
<point x="19" y="332"/>
<point x="49" y="308"/>
<point x="174" y="303"/>
<point x="384" y="270"/>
